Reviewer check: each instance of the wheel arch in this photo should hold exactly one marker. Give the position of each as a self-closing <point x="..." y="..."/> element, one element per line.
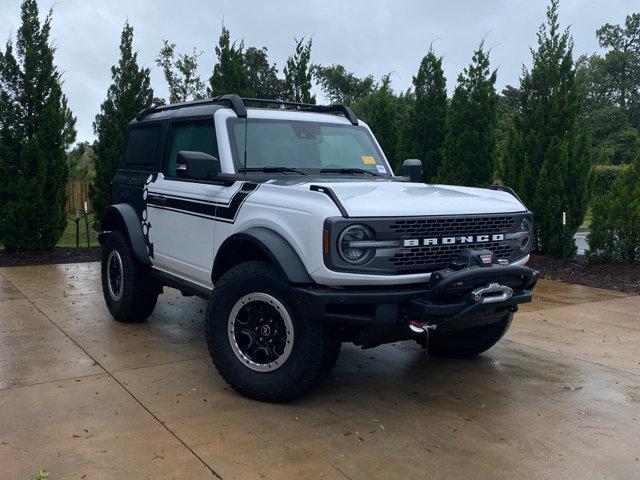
<point x="260" y="243"/>
<point x="123" y="217"/>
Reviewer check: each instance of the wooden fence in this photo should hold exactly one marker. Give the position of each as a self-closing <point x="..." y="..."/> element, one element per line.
<point x="77" y="194"/>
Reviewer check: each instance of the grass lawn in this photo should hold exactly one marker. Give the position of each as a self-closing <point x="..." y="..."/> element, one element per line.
<point x="68" y="238"/>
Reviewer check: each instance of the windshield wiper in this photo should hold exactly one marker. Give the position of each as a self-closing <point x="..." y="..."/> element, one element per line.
<point x="271" y="170"/>
<point x="348" y="170"/>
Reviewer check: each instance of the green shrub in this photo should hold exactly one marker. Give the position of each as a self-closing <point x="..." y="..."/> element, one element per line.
<point x="604" y="176"/>
<point x="615" y="227"/>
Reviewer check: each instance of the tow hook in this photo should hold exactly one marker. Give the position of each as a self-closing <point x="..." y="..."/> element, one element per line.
<point x="418" y="327"/>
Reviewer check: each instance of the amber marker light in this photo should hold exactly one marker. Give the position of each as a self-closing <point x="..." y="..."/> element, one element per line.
<point x="325" y="242"/>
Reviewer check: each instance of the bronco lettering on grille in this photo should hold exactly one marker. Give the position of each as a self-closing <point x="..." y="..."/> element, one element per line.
<point x="417" y="242"/>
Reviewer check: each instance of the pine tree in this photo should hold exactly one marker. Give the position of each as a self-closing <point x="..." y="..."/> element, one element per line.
<point x="341" y="86"/>
<point x="36" y="127"/>
<point x="621" y="64"/>
<point x="471" y="126"/>
<point x="181" y="73"/>
<point x="547" y="153"/>
<point x="229" y="74"/>
<point x="423" y="133"/>
<point x="262" y="76"/>
<point x="610" y="87"/>
<point x="129" y="93"/>
<point x="297" y="74"/>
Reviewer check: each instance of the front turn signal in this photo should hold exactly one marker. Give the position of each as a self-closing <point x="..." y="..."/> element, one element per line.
<point x="325" y="242"/>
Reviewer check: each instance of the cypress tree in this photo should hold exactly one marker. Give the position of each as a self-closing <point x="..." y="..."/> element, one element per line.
<point x="380" y="110"/>
<point x="615" y="227"/>
<point x="471" y="126"/>
<point x="424" y="130"/>
<point x="129" y="93"/>
<point x="547" y="153"/>
<point x="229" y="74"/>
<point x="297" y="74"/>
<point x="36" y="127"/>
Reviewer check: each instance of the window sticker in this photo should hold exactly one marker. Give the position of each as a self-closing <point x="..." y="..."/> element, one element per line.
<point x="369" y="160"/>
<point x="381" y="169"/>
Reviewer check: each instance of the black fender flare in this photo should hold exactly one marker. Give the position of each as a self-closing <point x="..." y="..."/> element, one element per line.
<point x="122" y="216"/>
<point x="273" y="245"/>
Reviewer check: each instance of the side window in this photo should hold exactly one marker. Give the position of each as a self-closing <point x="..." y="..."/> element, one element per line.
<point x="190" y="136"/>
<point x="142" y="143"/>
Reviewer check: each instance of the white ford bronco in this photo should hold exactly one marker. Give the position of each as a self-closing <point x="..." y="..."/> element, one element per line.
<point x="292" y="224"/>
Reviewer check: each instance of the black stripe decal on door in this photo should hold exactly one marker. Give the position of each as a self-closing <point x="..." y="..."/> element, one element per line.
<point x="223" y="212"/>
<point x="230" y="212"/>
<point x="186" y="205"/>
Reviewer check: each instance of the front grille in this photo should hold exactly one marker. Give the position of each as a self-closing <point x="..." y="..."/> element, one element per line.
<point x="442" y="254"/>
<point x="429" y="257"/>
<point x="450" y="226"/>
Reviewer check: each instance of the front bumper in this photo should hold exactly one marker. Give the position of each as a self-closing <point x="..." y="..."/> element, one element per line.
<point x="332" y="278"/>
<point x="450" y="300"/>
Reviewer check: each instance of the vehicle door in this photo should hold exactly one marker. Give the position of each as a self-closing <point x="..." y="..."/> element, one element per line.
<point x="180" y="210"/>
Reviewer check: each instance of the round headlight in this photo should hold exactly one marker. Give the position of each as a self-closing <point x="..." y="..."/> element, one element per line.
<point x="527" y="240"/>
<point x="353" y="254"/>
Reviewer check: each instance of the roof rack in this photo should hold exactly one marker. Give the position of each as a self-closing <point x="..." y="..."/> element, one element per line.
<point x="237" y="104"/>
<point x="343" y="109"/>
<point x="232" y="100"/>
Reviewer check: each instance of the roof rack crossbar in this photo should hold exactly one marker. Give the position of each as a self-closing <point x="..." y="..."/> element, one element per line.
<point x="232" y="100"/>
<point x="237" y="104"/>
<point x="343" y="109"/>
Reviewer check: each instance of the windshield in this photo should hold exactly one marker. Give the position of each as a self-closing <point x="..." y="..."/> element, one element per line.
<point x="298" y="147"/>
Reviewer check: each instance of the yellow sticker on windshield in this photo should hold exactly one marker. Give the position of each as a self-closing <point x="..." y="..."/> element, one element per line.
<point x="369" y="160"/>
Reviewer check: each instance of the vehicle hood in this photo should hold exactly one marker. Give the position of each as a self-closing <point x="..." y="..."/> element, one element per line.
<point x="392" y="199"/>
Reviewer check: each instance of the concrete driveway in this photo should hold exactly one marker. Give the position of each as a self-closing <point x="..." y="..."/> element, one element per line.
<point x="84" y="397"/>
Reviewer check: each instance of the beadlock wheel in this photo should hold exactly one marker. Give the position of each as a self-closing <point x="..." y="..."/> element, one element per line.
<point x="115" y="275"/>
<point x="260" y="332"/>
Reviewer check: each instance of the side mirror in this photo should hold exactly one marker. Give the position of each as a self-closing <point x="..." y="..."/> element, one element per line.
<point x="412" y="168"/>
<point x="198" y="165"/>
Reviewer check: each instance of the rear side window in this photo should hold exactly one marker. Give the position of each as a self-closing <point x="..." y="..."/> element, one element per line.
<point x="141" y="146"/>
<point x="197" y="136"/>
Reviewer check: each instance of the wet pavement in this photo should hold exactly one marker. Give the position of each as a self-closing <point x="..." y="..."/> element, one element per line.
<point x="581" y="241"/>
<point x="84" y="397"/>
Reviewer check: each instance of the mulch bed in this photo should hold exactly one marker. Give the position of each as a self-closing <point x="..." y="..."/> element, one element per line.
<point x="622" y="278"/>
<point x="57" y="255"/>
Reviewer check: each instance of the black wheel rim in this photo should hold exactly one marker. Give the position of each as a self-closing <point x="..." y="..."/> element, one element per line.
<point x="115" y="275"/>
<point x="260" y="332"/>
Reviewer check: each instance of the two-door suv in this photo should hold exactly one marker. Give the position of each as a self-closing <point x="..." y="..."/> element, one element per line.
<point x="292" y="224"/>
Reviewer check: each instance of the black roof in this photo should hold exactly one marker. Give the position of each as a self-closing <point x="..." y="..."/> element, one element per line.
<point x="238" y="105"/>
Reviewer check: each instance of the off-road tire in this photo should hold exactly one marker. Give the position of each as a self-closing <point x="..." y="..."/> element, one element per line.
<point x="139" y="291"/>
<point x="313" y="354"/>
<point x="471" y="342"/>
